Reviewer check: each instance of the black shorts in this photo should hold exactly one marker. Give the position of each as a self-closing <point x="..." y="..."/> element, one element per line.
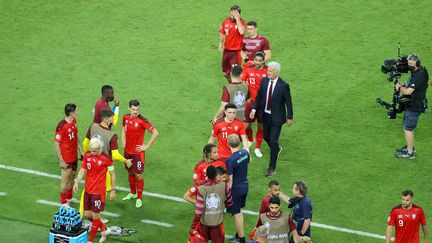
<point x="410" y="120"/>
<point x="239" y="202"/>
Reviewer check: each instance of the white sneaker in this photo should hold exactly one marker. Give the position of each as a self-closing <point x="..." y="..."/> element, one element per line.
<point x="73" y="201"/>
<point x="66" y="206"/>
<point x="258" y="153"/>
<point x="105" y="235"/>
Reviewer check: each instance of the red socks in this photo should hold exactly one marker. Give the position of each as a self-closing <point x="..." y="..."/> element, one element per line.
<point x="249" y="134"/>
<point x="97" y="223"/>
<point x="132" y="183"/>
<point x="259" y="138"/>
<point x="69" y="193"/>
<point x="140" y="188"/>
<point x="63" y="198"/>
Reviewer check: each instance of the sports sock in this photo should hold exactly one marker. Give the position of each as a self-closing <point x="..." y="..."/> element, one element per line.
<point x="101" y="225"/>
<point x="259" y="138"/>
<point x="63" y="198"/>
<point x="94" y="229"/>
<point x="140" y="187"/>
<point x="69" y="193"/>
<point x="249" y="134"/>
<point x="132" y="184"/>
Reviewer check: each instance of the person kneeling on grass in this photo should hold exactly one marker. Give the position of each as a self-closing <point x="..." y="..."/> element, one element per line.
<point x="94" y="167"/>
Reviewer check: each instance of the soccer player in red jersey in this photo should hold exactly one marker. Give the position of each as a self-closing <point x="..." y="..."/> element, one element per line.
<point x="66" y="144"/>
<point x="133" y="131"/>
<point x="222" y="176"/>
<point x="103" y="104"/>
<point x="94" y="168"/>
<point x="231" y="39"/>
<point x="253" y="77"/>
<point x="407" y="218"/>
<point x="254" y="43"/>
<point x="225" y="127"/>
<point x="210" y="157"/>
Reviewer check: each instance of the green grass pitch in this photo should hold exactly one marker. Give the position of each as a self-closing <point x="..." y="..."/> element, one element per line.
<point x="164" y="53"/>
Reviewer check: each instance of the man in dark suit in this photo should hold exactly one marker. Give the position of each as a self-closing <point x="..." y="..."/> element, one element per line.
<point x="273" y="103"/>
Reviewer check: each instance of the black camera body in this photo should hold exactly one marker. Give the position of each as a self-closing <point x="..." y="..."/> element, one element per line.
<point x="395" y="67"/>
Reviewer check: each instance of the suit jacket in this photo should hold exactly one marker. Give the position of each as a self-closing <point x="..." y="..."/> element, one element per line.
<point x="281" y="99"/>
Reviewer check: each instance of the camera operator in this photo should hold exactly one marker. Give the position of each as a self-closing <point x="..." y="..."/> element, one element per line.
<point x="415" y="88"/>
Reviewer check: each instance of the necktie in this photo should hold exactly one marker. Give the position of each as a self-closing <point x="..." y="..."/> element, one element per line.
<point x="269" y="95"/>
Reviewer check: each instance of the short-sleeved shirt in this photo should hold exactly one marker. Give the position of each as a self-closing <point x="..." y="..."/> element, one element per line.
<point x="233" y="39"/>
<point x="253" y="45"/>
<point x="265" y="204"/>
<point x="113" y="145"/>
<point x="237" y="166"/>
<point x="407" y="223"/>
<point x="302" y="210"/>
<point x="97" y="167"/>
<point x="419" y="82"/>
<point x="135" y="128"/>
<point x="101" y="104"/>
<point x="253" y="78"/>
<point x="201" y="169"/>
<point x="222" y="129"/>
<point x="67" y="136"/>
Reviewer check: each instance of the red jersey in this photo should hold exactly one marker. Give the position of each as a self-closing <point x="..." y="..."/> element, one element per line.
<point x="97" y="167"/>
<point x="67" y="136"/>
<point x="233" y="38"/>
<point x="253" y="78"/>
<point x="265" y="204"/>
<point x="135" y="130"/>
<point x="101" y="104"/>
<point x="407" y="223"/>
<point x="201" y="169"/>
<point x="253" y="45"/>
<point x="222" y="129"/>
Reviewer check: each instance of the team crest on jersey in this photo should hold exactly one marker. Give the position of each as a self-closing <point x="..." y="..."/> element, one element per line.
<point x="223" y="128"/>
<point x="136" y="124"/>
<point x="99" y="162"/>
<point x="400" y="216"/>
<point x="236" y="128"/>
<point x="252" y="74"/>
<point x="413" y="216"/>
<point x="212" y="201"/>
<point x="239" y="99"/>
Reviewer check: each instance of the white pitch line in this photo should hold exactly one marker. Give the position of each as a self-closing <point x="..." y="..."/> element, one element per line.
<point x="177" y="199"/>
<point x="148" y="221"/>
<point x="41" y="201"/>
<point x="3" y="193"/>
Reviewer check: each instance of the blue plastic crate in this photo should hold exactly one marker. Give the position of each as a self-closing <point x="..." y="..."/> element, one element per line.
<point x="56" y="236"/>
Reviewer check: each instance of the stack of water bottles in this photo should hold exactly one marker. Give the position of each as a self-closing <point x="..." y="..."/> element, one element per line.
<point x="68" y="220"/>
<point x="67" y="225"/>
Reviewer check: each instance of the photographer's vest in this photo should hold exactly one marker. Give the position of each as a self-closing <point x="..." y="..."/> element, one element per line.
<point x="104" y="134"/>
<point x="278" y="228"/>
<point x="238" y="95"/>
<point x="214" y="203"/>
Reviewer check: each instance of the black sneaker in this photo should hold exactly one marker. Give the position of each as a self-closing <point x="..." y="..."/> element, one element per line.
<point x="405" y="155"/>
<point x="270" y="172"/>
<point x="404" y="148"/>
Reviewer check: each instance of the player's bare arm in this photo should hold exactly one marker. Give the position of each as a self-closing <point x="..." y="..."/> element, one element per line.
<point x="221" y="43"/>
<point x="80" y="149"/>
<point x="284" y="197"/>
<point x="240" y="27"/>
<point x="306" y="224"/>
<point x="389" y="233"/>
<point x="113" y="182"/>
<point x="267" y="55"/>
<point x="425" y="233"/>
<point x="123" y="137"/>
<point x="144" y="147"/>
<point x="80" y="176"/>
<point x="245" y="142"/>
<point x="187" y="197"/>
<point x="295" y="236"/>
<point x="211" y="140"/>
<point x="63" y="164"/>
<point x="229" y="183"/>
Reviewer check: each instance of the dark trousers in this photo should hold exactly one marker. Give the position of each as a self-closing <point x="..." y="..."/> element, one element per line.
<point x="271" y="136"/>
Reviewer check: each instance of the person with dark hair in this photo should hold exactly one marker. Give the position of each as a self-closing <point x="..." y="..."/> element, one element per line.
<point x="211" y="200"/>
<point x="254" y="43"/>
<point x="230" y="40"/>
<point x="301" y="210"/>
<point x="236" y="92"/>
<point x="280" y="224"/>
<point x="407" y="218"/>
<point x="415" y="88"/>
<point x="134" y="126"/>
<point x="273" y="103"/>
<point x="226" y="126"/>
<point x="67" y="146"/>
<point x="103" y="131"/>
<point x="237" y="168"/>
<point x="103" y="104"/>
<point x="253" y="76"/>
<point x="210" y="157"/>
